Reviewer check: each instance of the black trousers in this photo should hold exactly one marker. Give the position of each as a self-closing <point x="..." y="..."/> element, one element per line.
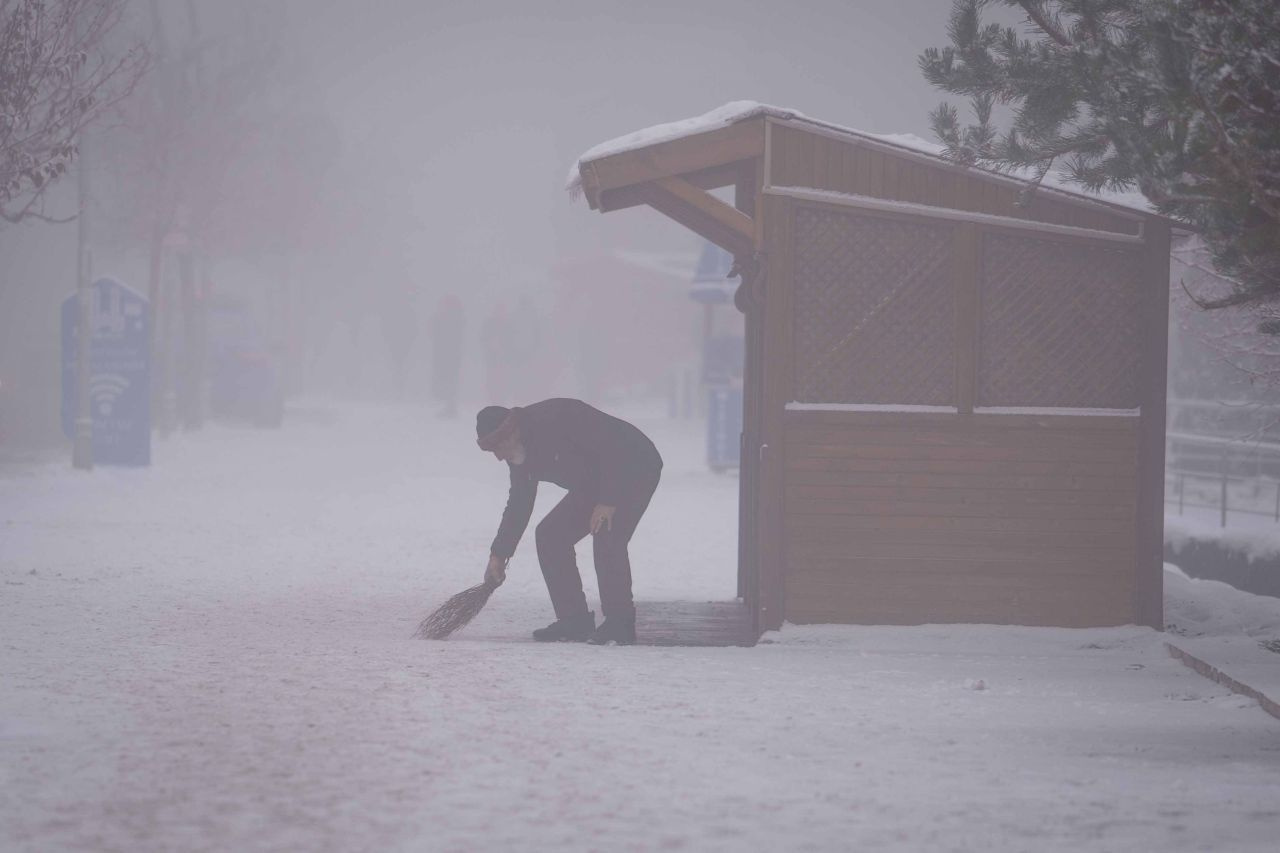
<point x="566" y="525"/>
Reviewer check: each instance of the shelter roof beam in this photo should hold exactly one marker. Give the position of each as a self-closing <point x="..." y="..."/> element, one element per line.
<point x="702" y="213"/>
<point x="725" y="214"/>
<point x="682" y="156"/>
<point x="710" y="178"/>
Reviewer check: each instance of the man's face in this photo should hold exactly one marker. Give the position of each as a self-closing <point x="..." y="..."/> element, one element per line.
<point x="510" y="450"/>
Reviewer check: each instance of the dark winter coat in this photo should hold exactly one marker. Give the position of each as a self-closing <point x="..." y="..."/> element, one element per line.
<point x="581" y="449"/>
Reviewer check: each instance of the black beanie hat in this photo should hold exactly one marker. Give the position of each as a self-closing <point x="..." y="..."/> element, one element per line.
<point x="490" y="418"/>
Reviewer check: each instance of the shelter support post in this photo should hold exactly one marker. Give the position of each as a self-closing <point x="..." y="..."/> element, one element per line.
<point x="1148" y="594"/>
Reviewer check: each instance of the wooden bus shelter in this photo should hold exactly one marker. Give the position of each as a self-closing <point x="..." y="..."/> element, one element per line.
<point x="955" y="392"/>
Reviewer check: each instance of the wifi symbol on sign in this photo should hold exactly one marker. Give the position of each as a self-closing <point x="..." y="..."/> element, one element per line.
<point x="105" y="389"/>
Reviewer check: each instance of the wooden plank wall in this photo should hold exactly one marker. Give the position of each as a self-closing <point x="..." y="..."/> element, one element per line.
<point x="908" y="518"/>
<point x="803" y="158"/>
<point x="915" y="518"/>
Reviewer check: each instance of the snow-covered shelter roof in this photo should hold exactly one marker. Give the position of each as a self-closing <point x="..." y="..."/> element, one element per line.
<point x="736" y="112"/>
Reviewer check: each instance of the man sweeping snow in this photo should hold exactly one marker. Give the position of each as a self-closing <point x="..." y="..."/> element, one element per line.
<point x="610" y="469"/>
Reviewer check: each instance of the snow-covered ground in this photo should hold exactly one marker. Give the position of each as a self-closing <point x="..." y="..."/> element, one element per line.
<point x="215" y="654"/>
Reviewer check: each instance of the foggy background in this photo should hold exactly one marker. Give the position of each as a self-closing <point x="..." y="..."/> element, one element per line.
<point x="338" y="169"/>
<point x="215" y="652"/>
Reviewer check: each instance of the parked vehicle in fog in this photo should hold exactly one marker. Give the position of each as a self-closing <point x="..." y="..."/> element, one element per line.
<point x="244" y="368"/>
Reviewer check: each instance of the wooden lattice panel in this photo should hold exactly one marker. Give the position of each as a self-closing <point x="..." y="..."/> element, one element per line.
<point x="874" y="310"/>
<point x="1060" y="324"/>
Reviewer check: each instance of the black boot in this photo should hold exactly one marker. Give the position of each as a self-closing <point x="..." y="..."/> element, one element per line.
<point x="574" y="629"/>
<point x="620" y="631"/>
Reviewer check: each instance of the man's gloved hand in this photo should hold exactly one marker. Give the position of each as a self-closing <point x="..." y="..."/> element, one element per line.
<point x="496" y="572"/>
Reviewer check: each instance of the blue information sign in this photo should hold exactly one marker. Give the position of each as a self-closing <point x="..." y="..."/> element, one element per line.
<point x="722" y="359"/>
<point x="119" y="373"/>
<point x="711" y="282"/>
<point x="724" y="426"/>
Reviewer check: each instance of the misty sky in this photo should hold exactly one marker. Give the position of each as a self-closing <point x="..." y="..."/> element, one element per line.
<point x="450" y="128"/>
<point x="470" y="113"/>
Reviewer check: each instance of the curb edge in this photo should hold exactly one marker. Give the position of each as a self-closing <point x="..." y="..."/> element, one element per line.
<point x="1213" y="673"/>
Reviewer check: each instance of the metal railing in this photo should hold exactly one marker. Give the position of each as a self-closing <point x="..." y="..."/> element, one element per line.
<point x="1176" y="494"/>
<point x="1227" y="474"/>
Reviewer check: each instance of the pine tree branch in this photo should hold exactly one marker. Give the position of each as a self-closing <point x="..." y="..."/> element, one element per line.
<point x="1175" y="98"/>
<point x="1034" y="10"/>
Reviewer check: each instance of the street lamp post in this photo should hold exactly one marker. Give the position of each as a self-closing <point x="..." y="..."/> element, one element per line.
<point x="82" y="445"/>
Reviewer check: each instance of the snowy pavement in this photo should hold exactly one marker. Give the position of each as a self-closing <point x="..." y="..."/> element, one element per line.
<point x="215" y="654"/>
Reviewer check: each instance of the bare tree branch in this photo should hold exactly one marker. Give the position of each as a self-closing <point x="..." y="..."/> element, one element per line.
<point x="58" y="75"/>
<point x="39" y="217"/>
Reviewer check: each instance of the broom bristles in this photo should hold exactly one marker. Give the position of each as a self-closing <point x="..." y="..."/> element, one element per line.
<point x="456" y="612"/>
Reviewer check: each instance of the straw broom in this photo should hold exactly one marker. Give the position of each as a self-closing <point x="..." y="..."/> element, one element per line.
<point x="456" y="612"/>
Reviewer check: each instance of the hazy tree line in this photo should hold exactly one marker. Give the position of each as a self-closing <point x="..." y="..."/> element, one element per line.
<point x="198" y="145"/>
<point x="207" y="148"/>
<point x="1177" y="98"/>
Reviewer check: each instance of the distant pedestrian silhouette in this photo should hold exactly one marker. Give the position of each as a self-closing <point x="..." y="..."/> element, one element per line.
<point x="448" y="325"/>
<point x="524" y="348"/>
<point x="495" y="342"/>
<point x="398" y="318"/>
